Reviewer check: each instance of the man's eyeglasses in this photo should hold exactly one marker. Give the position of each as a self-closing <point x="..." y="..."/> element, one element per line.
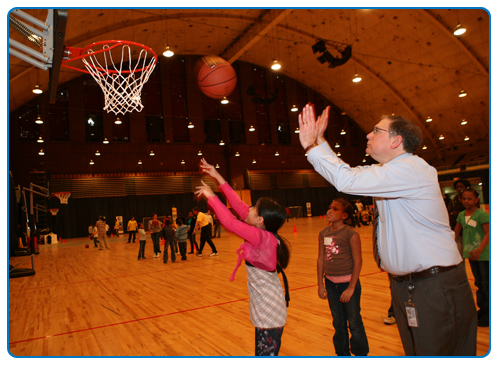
<point x="377" y="130"/>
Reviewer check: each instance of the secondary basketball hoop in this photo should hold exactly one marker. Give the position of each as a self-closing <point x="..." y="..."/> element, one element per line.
<point x="120" y="77"/>
<point x="62" y="196"/>
<point x="54" y="211"/>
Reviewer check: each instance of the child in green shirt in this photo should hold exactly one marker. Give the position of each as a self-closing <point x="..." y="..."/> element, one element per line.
<point x="474" y="222"/>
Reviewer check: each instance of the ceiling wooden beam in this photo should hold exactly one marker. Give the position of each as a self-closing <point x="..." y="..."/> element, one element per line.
<point x="253" y="33"/>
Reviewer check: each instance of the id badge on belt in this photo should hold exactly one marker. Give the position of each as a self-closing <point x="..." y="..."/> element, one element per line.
<point x="411" y="311"/>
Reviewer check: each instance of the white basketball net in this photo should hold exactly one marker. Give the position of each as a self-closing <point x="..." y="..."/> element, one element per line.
<point x="120" y="82"/>
<point x="54" y="211"/>
<point x="63" y="197"/>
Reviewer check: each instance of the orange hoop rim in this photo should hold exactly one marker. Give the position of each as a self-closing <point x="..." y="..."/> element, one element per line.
<point x="115" y="43"/>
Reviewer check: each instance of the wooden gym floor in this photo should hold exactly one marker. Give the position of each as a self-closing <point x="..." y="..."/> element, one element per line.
<point x="87" y="302"/>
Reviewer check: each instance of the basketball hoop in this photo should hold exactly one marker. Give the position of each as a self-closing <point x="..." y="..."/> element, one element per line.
<point x="62" y="196"/>
<point x="54" y="211"/>
<point x="120" y="78"/>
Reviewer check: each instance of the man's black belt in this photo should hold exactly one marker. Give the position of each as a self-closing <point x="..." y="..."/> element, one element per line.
<point x="423" y="274"/>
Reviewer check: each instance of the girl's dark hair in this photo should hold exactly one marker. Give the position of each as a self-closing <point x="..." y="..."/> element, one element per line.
<point x="180" y="221"/>
<point x="346" y="205"/>
<point x="274" y="216"/>
<point x="476" y="194"/>
<point x="166" y="222"/>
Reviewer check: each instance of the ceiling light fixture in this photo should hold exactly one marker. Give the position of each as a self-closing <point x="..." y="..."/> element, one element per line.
<point x="424" y="147"/>
<point x="190" y="125"/>
<point x="441" y="137"/>
<point x="37" y="90"/>
<point x="221" y="143"/>
<point x="41" y="153"/>
<point x="364" y="160"/>
<point x="429" y="119"/>
<point x="338" y="153"/>
<point x="343" y="113"/>
<point x="459" y="30"/>
<point x="224" y="100"/>
<point x="294" y="108"/>
<point x="276" y="65"/>
<point x="277" y="153"/>
<point x="97" y="153"/>
<point x="342" y="132"/>
<point x="254" y="161"/>
<point x="139" y="162"/>
<point x="462" y="94"/>
<point x="182" y="162"/>
<point x="118" y="121"/>
<point x="105" y="141"/>
<point x="237" y="154"/>
<point x="251" y="129"/>
<point x="151" y="153"/>
<point x="91" y="162"/>
<point x="217" y="166"/>
<point x="337" y="145"/>
<point x="40" y="139"/>
<point x="297" y="130"/>
<point x="199" y="153"/>
<point x="168" y="52"/>
<point x="38" y="120"/>
<point x="356" y="78"/>
<point x="466" y="138"/>
<point x="463" y="122"/>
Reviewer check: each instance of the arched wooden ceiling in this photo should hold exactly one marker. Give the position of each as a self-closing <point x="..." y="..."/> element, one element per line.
<point x="409" y="59"/>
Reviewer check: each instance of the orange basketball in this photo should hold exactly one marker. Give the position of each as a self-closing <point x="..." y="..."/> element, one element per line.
<point x="216" y="77"/>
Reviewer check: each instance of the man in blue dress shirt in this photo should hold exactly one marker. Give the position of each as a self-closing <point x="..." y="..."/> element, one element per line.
<point x="433" y="303"/>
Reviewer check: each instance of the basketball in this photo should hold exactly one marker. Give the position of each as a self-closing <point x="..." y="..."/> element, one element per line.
<point x="216" y="77"/>
<point x="87" y="245"/>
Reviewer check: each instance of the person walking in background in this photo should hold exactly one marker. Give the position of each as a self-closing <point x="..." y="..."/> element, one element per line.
<point x="265" y="254"/>
<point x="338" y="267"/>
<point x="191" y="223"/>
<point x="210" y="220"/>
<point x="474" y="222"/>
<point x="412" y="236"/>
<point x="101" y="233"/>
<point x="168" y="235"/>
<point x="132" y="229"/>
<point x="155" y="228"/>
<point x="217" y="227"/>
<point x="142" y="241"/>
<point x="116" y="228"/>
<point x="181" y="234"/>
<point x="206" y="234"/>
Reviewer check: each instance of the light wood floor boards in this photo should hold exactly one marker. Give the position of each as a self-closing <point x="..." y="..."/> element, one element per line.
<point x="87" y="302"/>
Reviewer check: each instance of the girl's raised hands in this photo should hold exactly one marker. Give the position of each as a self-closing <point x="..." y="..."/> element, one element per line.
<point x="210" y="170"/>
<point x="203" y="191"/>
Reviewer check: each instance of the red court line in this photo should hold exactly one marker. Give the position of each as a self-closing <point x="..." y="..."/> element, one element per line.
<point x="131" y="321"/>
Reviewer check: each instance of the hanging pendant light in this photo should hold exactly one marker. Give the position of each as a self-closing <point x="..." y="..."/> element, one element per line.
<point x="466" y="138"/>
<point x="221" y="143"/>
<point x="97" y="153"/>
<point x="356" y="78"/>
<point x="139" y="162"/>
<point x="251" y="129"/>
<point x="254" y="161"/>
<point x="276" y="65"/>
<point x="168" y="52"/>
<point x="463" y="122"/>
<point x="105" y="141"/>
<point x="91" y="162"/>
<point x="237" y="154"/>
<point x="459" y="30"/>
<point x="151" y="153"/>
<point x="342" y="132"/>
<point x="40" y="139"/>
<point x="41" y="153"/>
<point x="294" y="108"/>
<point x="224" y="100"/>
<point x="462" y="94"/>
<point x="429" y="119"/>
<point x="277" y="153"/>
<point x="424" y="147"/>
<point x="199" y="153"/>
<point x="182" y="162"/>
<point x="297" y="130"/>
<point x="337" y="145"/>
<point x="38" y="120"/>
<point x="441" y="137"/>
<point x="37" y="90"/>
<point x="118" y="121"/>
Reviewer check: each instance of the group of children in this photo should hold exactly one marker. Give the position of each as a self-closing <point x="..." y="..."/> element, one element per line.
<point x="175" y="237"/>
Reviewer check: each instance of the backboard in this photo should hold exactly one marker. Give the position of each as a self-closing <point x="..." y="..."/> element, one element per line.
<point x="45" y="39"/>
